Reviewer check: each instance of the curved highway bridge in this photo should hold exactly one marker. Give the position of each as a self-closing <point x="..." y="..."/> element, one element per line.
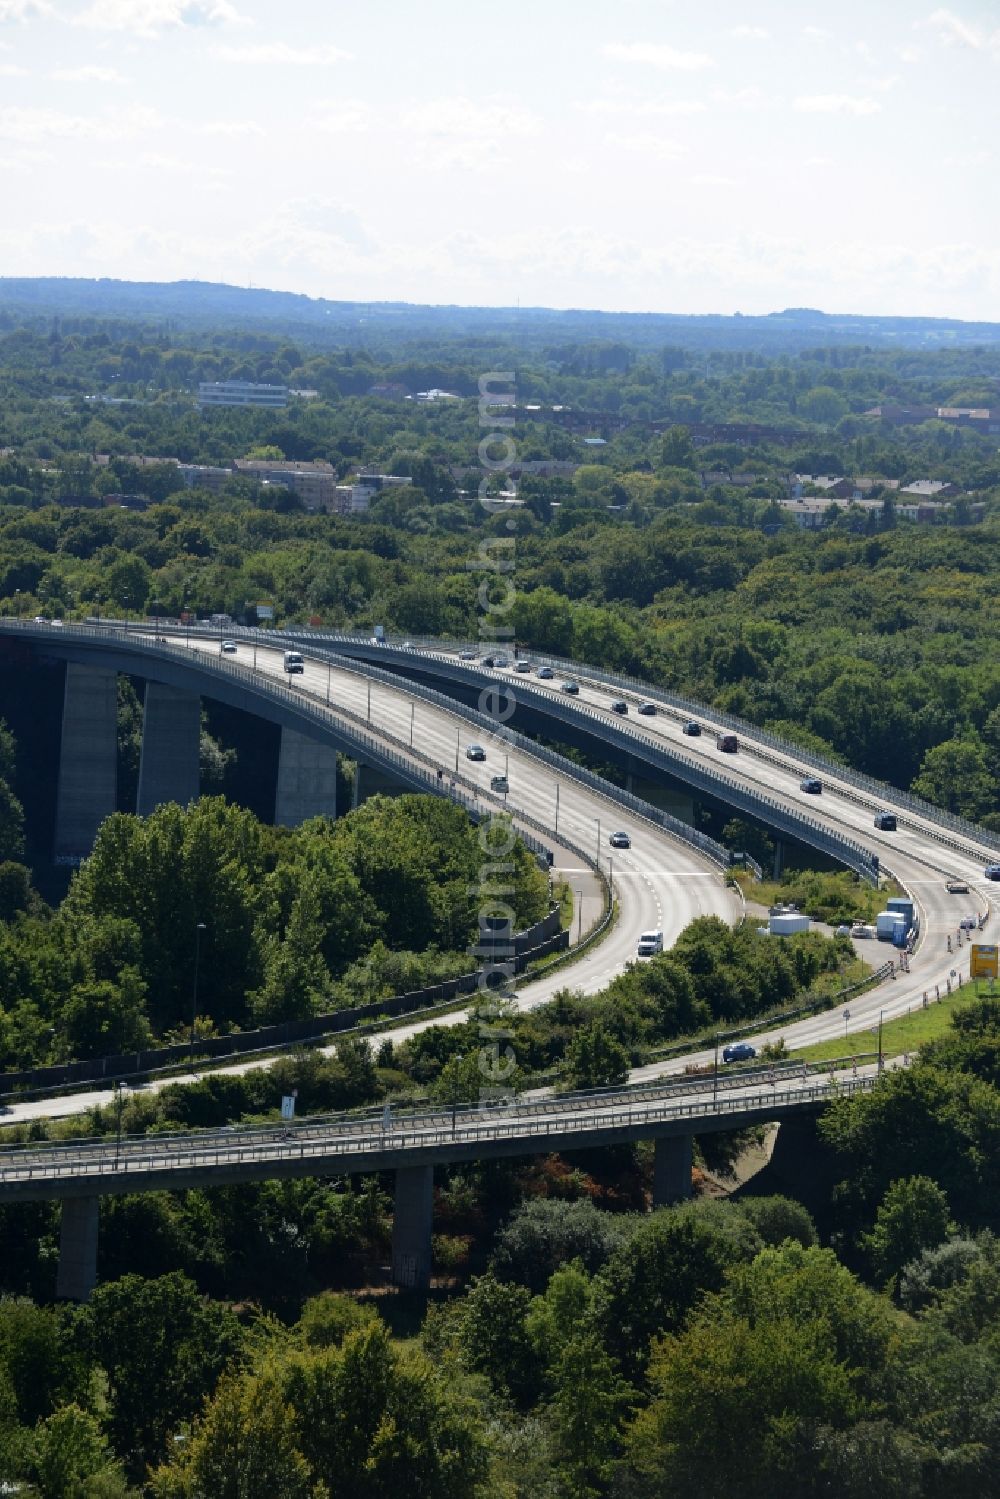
<point x="376" y="703"/>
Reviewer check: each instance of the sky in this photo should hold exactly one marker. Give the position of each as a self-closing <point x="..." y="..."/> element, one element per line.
<point x="651" y="155"/>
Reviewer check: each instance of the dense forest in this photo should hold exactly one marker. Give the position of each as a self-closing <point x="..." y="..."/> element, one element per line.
<point x="829" y="1327"/>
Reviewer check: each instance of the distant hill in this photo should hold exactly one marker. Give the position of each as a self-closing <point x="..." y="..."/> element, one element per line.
<point x="395" y="325"/>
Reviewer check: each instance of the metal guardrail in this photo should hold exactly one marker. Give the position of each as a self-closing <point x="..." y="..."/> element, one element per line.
<point x="633" y="740"/>
<point x="456" y="1132"/>
<point x="881" y="792"/>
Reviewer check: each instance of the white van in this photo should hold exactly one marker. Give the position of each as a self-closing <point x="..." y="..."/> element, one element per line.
<point x="650" y="943"/>
<point x="294" y="663"/>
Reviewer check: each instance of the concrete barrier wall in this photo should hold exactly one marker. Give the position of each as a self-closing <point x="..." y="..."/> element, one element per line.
<point x="534" y="942"/>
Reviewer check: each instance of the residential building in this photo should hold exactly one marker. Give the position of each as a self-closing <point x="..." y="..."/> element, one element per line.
<point x="367" y="487"/>
<point x="314" y="483"/>
<point x="205" y="476"/>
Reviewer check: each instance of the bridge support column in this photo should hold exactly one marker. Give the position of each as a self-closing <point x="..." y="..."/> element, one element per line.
<point x="171" y="739"/>
<point x="411" y="1228"/>
<point x="371" y="782"/>
<point x="307" y="780"/>
<point x="671" y="1169"/>
<point x="779" y="858"/>
<point x="76" y="1276"/>
<point x="88" y="760"/>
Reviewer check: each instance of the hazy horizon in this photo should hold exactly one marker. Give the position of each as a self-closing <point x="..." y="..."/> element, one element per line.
<point x="650" y="159"/>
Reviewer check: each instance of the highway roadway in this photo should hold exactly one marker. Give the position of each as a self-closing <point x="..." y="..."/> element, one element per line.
<point x="660" y="882"/>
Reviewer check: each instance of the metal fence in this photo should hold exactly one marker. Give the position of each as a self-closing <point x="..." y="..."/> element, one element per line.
<point x="880" y="792"/>
<point x="455" y="1133"/>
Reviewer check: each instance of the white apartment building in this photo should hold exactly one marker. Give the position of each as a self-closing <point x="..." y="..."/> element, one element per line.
<point x="241" y="393"/>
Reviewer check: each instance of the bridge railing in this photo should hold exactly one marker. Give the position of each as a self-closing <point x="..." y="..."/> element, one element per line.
<point x="880" y="792"/>
<point x="424" y="1133"/>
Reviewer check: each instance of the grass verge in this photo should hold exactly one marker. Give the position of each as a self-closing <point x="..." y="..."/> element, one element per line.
<point x="907" y="1033"/>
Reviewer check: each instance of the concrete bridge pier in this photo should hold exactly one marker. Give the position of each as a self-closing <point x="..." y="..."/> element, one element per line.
<point x="76" y="1276"/>
<point x="307" y="780"/>
<point x="171" y="741"/>
<point x="411" y="1228"/>
<point x="371" y="782"/>
<point x="88" y="760"/>
<point x="671" y="1169"/>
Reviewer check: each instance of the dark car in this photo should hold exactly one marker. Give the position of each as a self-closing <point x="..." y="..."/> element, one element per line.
<point x="648" y="710"/>
<point x="692" y="728"/>
<point x="619" y="705"/>
<point x="727" y="743"/>
<point x="468" y="656"/>
<point x="740" y="1051"/>
<point x="487" y="661"/>
<point x="571" y="687"/>
<point x="886" y="823"/>
<point x="993" y="871"/>
<point x="475" y="752"/>
<point x="811" y="784"/>
<point x="620" y="840"/>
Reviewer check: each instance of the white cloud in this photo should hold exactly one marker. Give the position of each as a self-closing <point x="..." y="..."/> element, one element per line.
<point x="710" y="179"/>
<point x="463" y="118"/>
<point x="882" y="85"/>
<point x="29" y="125"/>
<point x="23" y="10"/>
<point x="953" y="31"/>
<point x="750" y="33"/>
<point x="817" y="33"/>
<point x="11" y="70"/>
<point x="155" y="162"/>
<point x="740" y="98"/>
<point x="148" y="17"/>
<point x="658" y="56"/>
<point x="648" y="145"/>
<point x="270" y="54"/>
<point x="86" y="74"/>
<point x="837" y="104"/>
<point x="345" y="117"/>
<point x="230" y="128"/>
<point x="646" y="108"/>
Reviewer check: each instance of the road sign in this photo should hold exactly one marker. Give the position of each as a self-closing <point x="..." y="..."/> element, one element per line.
<point x="984" y="961"/>
<point x="288" y="1106"/>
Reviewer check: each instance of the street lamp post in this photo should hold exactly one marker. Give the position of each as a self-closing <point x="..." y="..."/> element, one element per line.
<point x="119" y="1106"/>
<point x="715" y="1077"/>
<point x="194" y="998"/>
<point x="458" y="740"/>
<point x="880" y="1043"/>
<point x="579" y="914"/>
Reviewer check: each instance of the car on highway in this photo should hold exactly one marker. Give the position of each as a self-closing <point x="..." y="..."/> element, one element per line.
<point x="620" y="840"/>
<point x="228" y="648"/>
<point x="968" y="923"/>
<point x="467" y="656"/>
<point x="886" y="823"/>
<point x="648" y="710"/>
<point x="40" y="619"/>
<point x="546" y="673"/>
<point x="521" y="665"/>
<point x="957" y="887"/>
<point x="499" y="661"/>
<point x="993" y="871"/>
<point x="488" y="661"/>
<point x="649" y="944"/>
<point x="619" y="705"/>
<point x="739" y="1051"/>
<point x="692" y="729"/>
<point x="571" y="687"/>
<point x="727" y="743"/>
<point x="475" y="752"/>
<point x="500" y="784"/>
<point x="812" y="784"/>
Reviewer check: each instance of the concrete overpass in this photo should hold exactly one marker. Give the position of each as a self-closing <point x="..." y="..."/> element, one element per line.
<point x="409" y="1144"/>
